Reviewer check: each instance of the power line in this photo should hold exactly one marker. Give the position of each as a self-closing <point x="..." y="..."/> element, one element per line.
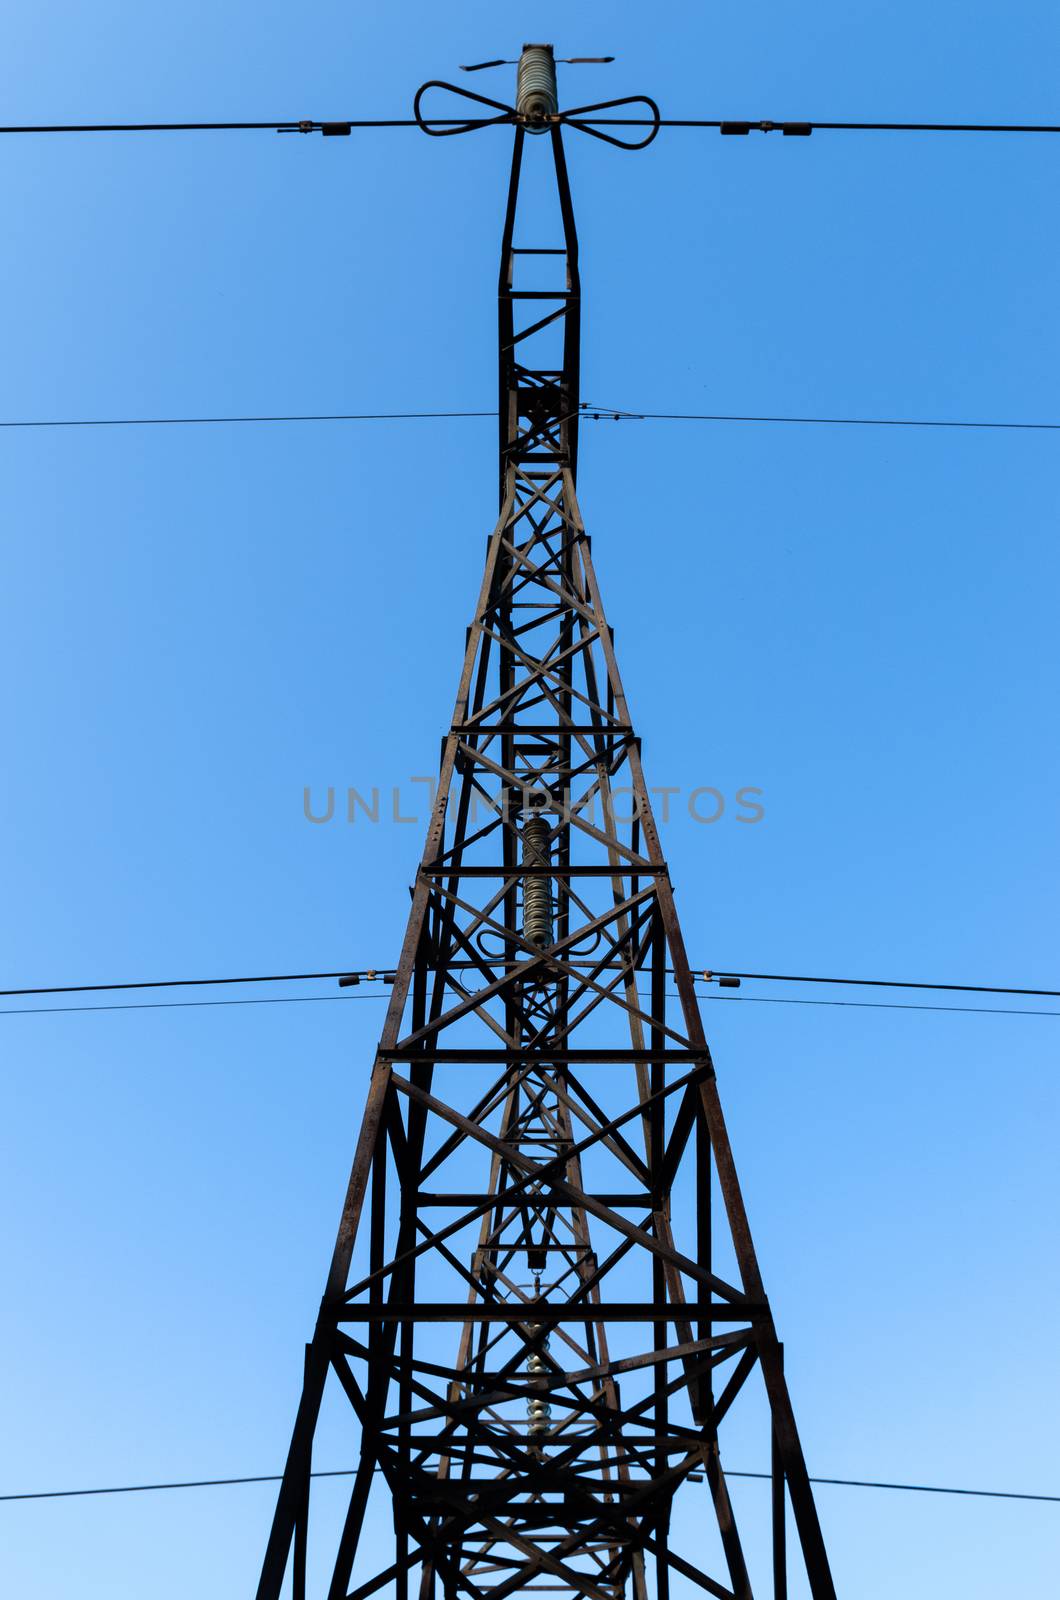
<point x="183" y="422"/>
<point x="888" y="983"/>
<point x="368" y="973"/>
<point x="738" y="999"/>
<point x="765" y="125"/>
<point x="147" y="1488"/>
<point x="843" y="422"/>
<point x="915" y="1488"/>
<point x="183" y="1005"/>
<point x="878" y="1005"/>
<point x="348" y="1472"/>
<point x="728" y="126"/>
<point x="286" y="126"/>
<point x="589" y="413"/>
<point x="385" y="974"/>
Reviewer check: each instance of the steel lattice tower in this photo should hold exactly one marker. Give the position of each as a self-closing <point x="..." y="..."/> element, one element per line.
<point x="532" y="1339"/>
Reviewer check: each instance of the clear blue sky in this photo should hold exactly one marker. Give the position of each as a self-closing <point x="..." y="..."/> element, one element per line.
<point x="197" y="623"/>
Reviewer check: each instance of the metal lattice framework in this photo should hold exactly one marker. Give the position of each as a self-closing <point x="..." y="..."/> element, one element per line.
<point x="528" y="1328"/>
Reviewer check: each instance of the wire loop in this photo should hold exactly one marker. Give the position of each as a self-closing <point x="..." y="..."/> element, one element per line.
<point x="573" y="116"/>
<point x="507" y="112"/>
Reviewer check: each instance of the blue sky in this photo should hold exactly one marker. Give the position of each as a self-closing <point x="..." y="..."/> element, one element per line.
<point x="198" y="623"/>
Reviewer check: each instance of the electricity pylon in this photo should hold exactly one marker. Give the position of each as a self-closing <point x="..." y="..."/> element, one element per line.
<point x="524" y="1319"/>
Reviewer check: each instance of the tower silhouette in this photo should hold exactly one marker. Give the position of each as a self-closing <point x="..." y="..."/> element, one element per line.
<point x="522" y="1310"/>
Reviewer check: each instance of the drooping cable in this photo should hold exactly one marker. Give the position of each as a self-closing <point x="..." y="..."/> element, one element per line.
<point x="348" y="1472"/>
<point x="589" y="413"/>
<point x="385" y="975"/>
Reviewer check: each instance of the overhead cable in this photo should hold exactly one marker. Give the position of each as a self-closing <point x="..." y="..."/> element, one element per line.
<point x="348" y="1472"/>
<point x="588" y="413"/>
<point x="724" y="125"/>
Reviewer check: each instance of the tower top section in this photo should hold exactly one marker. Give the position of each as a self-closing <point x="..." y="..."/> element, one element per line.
<point x="537" y="108"/>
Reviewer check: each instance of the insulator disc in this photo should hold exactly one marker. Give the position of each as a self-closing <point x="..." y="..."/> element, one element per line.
<point x="536" y="97"/>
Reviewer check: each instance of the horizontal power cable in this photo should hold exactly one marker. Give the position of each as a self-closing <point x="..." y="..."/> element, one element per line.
<point x="369" y="974"/>
<point x="837" y="422"/>
<point x="913" y="1488"/>
<point x="724" y="125"/>
<point x="348" y="1472"/>
<point x="386" y="974"/>
<point x="738" y="999"/>
<point x="183" y="1005"/>
<point x="879" y="1005"/>
<point x="287" y="125"/>
<point x="588" y="413"/>
<point x="185" y="422"/>
<point x="736" y="125"/>
<point x="887" y="983"/>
